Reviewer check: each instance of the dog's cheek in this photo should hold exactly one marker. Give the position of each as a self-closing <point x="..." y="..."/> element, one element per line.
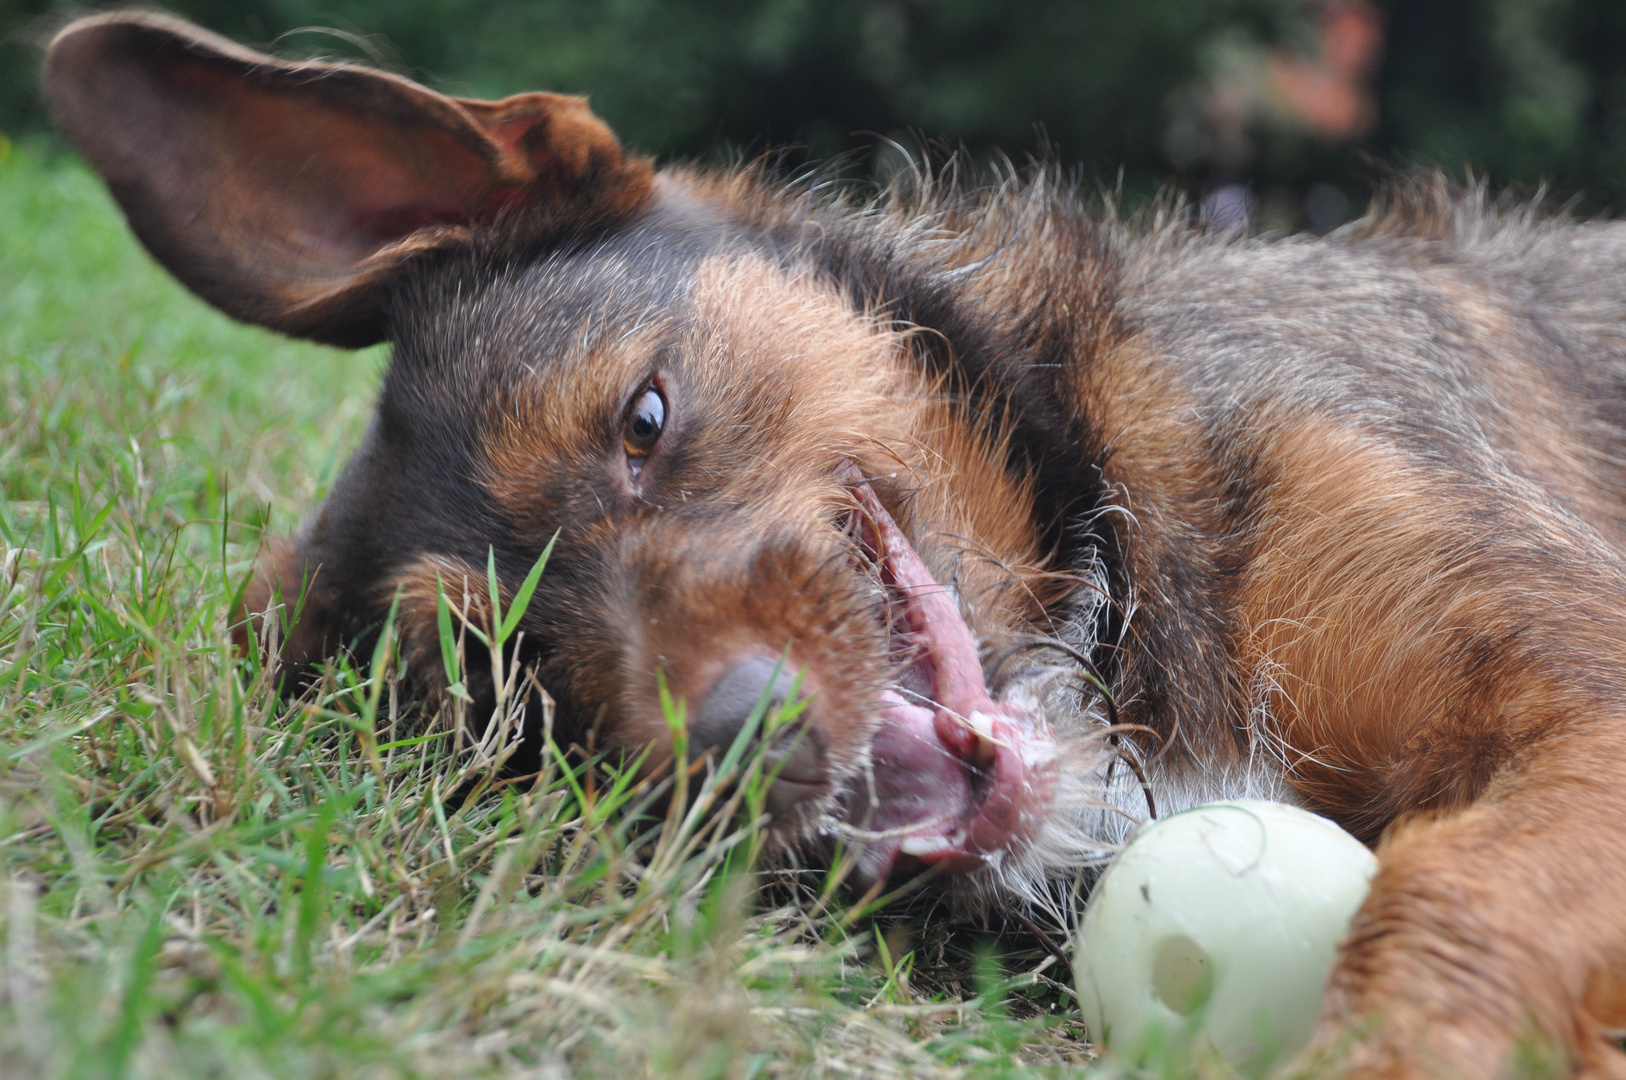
<point x="288" y="608"/>
<point x="248" y="616"/>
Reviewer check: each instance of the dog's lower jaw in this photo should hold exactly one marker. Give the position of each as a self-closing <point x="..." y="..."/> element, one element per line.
<point x="924" y="801"/>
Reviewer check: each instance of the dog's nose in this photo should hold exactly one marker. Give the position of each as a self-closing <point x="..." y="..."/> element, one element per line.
<point x="735" y="696"/>
<point x="796" y="753"/>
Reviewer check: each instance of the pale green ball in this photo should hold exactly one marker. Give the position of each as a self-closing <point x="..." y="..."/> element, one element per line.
<point x="1214" y="930"/>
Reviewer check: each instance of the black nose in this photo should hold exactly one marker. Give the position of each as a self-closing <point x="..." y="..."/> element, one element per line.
<point x="795" y="752"/>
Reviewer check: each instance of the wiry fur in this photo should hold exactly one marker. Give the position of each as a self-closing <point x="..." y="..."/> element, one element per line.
<point x="1338" y="520"/>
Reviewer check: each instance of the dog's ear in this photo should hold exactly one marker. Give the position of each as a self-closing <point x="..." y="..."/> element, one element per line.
<point x="289" y="194"/>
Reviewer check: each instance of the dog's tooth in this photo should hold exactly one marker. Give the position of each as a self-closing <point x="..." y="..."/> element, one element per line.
<point x="923" y="845"/>
<point x="983" y="725"/>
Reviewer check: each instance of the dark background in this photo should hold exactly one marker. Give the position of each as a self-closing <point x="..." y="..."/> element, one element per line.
<point x="1289" y="109"/>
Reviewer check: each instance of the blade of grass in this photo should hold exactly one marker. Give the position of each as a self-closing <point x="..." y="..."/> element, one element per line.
<point x="522" y="598"/>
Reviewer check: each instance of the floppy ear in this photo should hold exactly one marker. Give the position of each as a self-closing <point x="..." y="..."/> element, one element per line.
<point x="288" y="194"/>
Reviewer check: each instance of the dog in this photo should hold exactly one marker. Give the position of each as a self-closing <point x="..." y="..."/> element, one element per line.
<point x="1044" y="520"/>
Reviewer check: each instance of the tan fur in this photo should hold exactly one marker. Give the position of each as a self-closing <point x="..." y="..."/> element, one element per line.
<point x="1530" y="415"/>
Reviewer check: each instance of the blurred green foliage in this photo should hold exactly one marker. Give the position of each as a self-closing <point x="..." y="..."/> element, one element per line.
<point x="1527" y="91"/>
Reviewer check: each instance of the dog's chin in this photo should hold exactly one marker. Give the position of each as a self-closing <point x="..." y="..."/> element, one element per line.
<point x="955" y="779"/>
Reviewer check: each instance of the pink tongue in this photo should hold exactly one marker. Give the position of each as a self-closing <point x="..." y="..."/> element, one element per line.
<point x="918" y="782"/>
<point x="950" y="796"/>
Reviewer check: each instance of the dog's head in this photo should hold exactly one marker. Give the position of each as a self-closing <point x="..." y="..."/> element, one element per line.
<point x="757" y="487"/>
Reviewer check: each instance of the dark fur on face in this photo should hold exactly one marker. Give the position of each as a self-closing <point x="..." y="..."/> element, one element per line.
<point x="1340" y="521"/>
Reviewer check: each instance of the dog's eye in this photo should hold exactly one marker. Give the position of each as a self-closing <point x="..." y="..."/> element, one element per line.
<point x="644" y="424"/>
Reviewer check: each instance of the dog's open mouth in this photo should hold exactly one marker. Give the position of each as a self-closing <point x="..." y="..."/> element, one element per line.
<point x="957" y="778"/>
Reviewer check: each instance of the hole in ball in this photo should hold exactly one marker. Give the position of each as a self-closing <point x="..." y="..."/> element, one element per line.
<point x="1182" y="975"/>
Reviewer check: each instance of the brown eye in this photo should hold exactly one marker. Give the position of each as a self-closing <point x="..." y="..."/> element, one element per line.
<point x="644" y="424"/>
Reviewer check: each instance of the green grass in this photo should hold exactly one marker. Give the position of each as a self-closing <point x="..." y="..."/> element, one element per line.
<point x="197" y="880"/>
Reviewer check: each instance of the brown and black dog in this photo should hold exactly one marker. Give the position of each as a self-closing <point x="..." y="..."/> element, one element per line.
<point x="1341" y="521"/>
